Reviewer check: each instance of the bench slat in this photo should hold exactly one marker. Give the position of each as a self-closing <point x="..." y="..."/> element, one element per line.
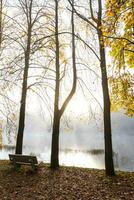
<point x="23" y="159"/>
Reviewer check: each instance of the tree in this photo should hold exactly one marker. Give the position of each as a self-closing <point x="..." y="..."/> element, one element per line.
<point x="28" y="48"/>
<point x="28" y="9"/>
<point x="118" y="30"/>
<point x="107" y="119"/>
<point x="95" y="21"/>
<point x="58" y="112"/>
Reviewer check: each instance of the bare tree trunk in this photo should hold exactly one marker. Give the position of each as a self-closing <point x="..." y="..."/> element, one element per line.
<point x="97" y="25"/>
<point x="55" y="141"/>
<point x="59" y="112"/>
<point x="56" y="118"/>
<point x="19" y="142"/>
<point x="32" y="16"/>
<point x="109" y="166"/>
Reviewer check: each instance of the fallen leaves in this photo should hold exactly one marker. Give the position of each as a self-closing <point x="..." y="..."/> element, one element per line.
<point x="67" y="183"/>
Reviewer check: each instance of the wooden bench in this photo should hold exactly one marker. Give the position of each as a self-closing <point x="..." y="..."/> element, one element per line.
<point x="18" y="159"/>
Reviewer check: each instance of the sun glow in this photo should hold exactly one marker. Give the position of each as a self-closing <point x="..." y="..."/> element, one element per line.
<point x="78" y="106"/>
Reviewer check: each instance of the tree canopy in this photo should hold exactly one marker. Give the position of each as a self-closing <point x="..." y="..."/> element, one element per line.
<point x="119" y="35"/>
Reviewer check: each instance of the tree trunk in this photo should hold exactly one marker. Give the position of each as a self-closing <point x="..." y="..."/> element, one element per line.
<point x="97" y="25"/>
<point x="55" y="142"/>
<point x="56" y="118"/>
<point x="19" y="142"/>
<point x="109" y="166"/>
<point x="59" y="112"/>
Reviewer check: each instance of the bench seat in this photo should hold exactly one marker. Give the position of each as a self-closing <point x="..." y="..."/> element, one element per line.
<point x="23" y="160"/>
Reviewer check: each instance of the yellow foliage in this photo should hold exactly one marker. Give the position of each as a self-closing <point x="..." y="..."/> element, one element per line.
<point x="109" y="14"/>
<point x="121" y="95"/>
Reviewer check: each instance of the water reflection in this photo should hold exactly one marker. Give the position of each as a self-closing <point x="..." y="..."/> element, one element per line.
<point x="93" y="158"/>
<point x="81" y="159"/>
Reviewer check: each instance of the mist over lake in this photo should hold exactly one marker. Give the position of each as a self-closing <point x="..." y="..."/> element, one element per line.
<point x="82" y="146"/>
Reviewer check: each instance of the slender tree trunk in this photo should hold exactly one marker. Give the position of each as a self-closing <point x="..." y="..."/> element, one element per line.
<point x="19" y="142"/>
<point x="97" y="24"/>
<point x="59" y="112"/>
<point x="109" y="166"/>
<point x="55" y="142"/>
<point x="56" y="118"/>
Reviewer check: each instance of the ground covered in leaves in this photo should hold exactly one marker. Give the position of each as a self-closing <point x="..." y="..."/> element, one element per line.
<point x="67" y="183"/>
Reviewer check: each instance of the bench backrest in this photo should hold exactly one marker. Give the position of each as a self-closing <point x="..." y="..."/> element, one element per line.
<point x="18" y="158"/>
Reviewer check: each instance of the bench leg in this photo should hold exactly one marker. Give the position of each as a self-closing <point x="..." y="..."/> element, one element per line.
<point x="33" y="166"/>
<point x="16" y="166"/>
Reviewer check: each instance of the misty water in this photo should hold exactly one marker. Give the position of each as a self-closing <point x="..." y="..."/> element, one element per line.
<point x="82" y="146"/>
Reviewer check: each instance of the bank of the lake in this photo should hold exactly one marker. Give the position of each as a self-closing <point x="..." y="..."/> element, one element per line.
<point x="67" y="183"/>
